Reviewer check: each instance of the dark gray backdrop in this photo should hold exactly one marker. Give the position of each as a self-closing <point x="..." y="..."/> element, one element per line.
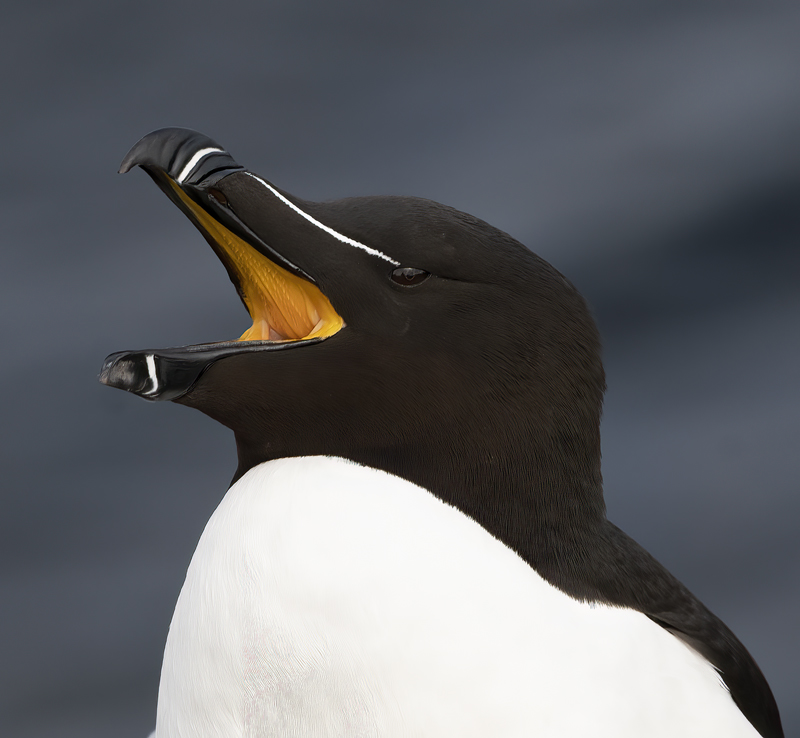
<point x="649" y="150"/>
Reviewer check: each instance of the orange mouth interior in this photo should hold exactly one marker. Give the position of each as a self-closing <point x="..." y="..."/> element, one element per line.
<point x="283" y="306"/>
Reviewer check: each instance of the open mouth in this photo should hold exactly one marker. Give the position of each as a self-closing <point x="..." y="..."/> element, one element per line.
<point x="285" y="305"/>
<point x="282" y="306"/>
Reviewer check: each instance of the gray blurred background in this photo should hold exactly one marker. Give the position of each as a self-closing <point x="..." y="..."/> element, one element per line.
<point x="650" y="151"/>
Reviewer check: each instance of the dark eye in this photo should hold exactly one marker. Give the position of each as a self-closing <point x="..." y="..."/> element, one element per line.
<point x="409" y="277"/>
<point x="218" y="196"/>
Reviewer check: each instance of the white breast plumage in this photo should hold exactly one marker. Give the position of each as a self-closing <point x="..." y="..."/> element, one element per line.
<point x="329" y="599"/>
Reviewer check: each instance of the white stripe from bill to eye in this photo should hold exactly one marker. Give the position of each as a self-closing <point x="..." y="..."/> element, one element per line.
<point x="151" y="370"/>
<point x="194" y="161"/>
<point x="330" y="231"/>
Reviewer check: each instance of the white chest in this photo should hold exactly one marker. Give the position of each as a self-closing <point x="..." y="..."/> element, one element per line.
<point x="328" y="599"/>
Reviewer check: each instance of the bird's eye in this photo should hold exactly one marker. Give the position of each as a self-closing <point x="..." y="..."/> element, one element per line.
<point x="219" y="196"/>
<point x="409" y="277"/>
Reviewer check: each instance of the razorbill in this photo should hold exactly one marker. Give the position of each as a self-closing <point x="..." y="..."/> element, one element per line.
<point x="415" y="540"/>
